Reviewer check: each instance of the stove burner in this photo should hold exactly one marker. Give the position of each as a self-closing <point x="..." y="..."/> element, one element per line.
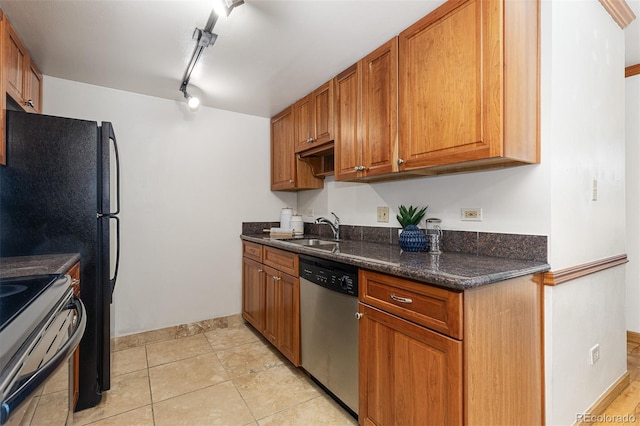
<point x="11" y="289"/>
<point x="16" y="294"/>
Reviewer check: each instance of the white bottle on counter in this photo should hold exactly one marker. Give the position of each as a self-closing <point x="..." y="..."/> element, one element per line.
<point x="285" y="218"/>
<point x="297" y="224"/>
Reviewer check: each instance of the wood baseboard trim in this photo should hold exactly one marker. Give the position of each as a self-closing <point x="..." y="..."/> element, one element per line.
<point x="632" y="70"/>
<point x="574" y="272"/>
<point x="606" y="399"/>
<point x="619" y="11"/>
<point x="632" y="336"/>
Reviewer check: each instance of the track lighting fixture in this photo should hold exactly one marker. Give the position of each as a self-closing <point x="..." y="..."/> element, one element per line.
<point x="224" y="7"/>
<point x="192" y="101"/>
<point x="205" y="38"/>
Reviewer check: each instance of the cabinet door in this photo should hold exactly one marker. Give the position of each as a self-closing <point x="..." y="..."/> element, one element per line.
<point x="33" y="88"/>
<point x="450" y="98"/>
<point x="303" y="112"/>
<point x="289" y="333"/>
<point x="271" y="305"/>
<point x="253" y="293"/>
<point x="323" y="113"/>
<point x="287" y="171"/>
<point x="15" y="64"/>
<point x="347" y="125"/>
<point x="409" y="375"/>
<point x="283" y="163"/>
<point x="379" y="110"/>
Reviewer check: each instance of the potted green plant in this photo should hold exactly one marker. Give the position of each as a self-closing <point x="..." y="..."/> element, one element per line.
<point x="411" y="238"/>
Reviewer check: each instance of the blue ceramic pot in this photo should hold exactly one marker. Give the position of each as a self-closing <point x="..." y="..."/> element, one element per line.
<point x="412" y="239"/>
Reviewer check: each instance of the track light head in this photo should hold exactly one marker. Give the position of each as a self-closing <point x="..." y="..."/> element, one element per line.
<point x="192" y="101"/>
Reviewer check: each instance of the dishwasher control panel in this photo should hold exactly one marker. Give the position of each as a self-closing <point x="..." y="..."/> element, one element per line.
<point x="335" y="276"/>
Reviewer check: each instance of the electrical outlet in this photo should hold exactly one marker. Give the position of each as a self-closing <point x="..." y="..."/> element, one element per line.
<point x="595" y="354"/>
<point x="473" y="214"/>
<point x="383" y="214"/>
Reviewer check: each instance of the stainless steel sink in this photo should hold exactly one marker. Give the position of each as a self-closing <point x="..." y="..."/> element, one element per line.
<point x="312" y="242"/>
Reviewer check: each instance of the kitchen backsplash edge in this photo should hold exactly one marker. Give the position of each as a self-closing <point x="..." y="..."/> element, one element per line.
<point x="509" y="246"/>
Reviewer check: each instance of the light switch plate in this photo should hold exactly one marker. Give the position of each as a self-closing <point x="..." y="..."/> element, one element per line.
<point x="383" y="214"/>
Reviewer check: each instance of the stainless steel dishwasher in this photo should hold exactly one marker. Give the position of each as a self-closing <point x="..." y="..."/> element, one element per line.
<point x="329" y="327"/>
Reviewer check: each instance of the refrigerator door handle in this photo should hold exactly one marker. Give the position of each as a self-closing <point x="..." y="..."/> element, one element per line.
<point x="112" y="281"/>
<point x="112" y="137"/>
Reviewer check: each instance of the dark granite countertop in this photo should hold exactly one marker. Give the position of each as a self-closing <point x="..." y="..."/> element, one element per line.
<point x="451" y="270"/>
<point x="37" y="265"/>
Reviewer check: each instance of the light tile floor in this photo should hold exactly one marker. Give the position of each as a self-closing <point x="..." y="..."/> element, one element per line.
<point x="227" y="376"/>
<point x="232" y="376"/>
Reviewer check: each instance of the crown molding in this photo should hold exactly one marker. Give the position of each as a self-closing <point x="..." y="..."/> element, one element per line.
<point x="619" y="11"/>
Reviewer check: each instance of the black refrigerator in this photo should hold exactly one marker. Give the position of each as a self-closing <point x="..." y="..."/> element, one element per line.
<point x="55" y="198"/>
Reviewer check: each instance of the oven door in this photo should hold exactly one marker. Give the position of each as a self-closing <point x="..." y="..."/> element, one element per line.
<point x="48" y="354"/>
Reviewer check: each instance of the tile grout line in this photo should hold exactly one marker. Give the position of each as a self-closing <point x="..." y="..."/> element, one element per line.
<point x="153" y="413"/>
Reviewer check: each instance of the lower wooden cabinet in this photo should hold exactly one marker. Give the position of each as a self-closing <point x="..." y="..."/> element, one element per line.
<point x="487" y="371"/>
<point x="253" y="293"/>
<point x="74" y="273"/>
<point x="409" y="375"/>
<point x="271" y="297"/>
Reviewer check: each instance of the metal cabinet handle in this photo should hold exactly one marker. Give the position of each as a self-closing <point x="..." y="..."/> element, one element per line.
<point x="362" y="168"/>
<point x="260" y="270"/>
<point x="290" y="180"/>
<point x="359" y="315"/>
<point x="310" y="140"/>
<point x="30" y="103"/>
<point x="400" y="161"/>
<point x="400" y="299"/>
<point x="276" y="278"/>
<point x="75" y="281"/>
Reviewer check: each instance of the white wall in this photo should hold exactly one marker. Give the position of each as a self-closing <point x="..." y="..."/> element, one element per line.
<point x="583" y="107"/>
<point x="632" y="137"/>
<point x="582" y="125"/>
<point x="188" y="181"/>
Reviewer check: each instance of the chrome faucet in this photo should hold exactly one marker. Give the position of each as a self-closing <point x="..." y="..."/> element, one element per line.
<point x="335" y="226"/>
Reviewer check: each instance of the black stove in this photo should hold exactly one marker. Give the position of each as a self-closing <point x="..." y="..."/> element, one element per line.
<point x="41" y="324"/>
<point x="24" y="303"/>
<point x="16" y="294"/>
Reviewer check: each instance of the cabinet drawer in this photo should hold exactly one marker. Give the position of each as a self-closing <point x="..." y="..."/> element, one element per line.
<point x="281" y="260"/>
<point x="432" y="307"/>
<point x="252" y="250"/>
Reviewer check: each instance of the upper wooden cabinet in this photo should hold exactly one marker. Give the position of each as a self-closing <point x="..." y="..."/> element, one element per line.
<point x="366" y="119"/>
<point x="314" y="118"/>
<point x="33" y="88"/>
<point x="20" y="78"/>
<point x="468" y="95"/>
<point x="288" y="172"/>
<point x="23" y="79"/>
<point x="14" y="64"/>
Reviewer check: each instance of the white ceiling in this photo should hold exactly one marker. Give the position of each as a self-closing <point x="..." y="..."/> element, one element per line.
<point x="269" y="53"/>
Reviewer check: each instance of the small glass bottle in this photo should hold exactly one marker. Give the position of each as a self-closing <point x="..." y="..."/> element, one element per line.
<point x="434" y="235"/>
